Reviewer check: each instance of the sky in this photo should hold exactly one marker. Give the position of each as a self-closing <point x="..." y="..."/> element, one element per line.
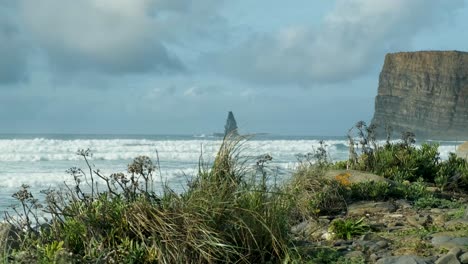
<point x="295" y="67"/>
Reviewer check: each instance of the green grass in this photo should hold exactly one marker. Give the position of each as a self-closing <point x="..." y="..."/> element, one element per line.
<point x="227" y="215"/>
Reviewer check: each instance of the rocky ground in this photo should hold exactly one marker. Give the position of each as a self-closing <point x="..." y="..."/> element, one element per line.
<point x="400" y="233"/>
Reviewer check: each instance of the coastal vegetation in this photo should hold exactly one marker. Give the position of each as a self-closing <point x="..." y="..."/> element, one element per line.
<point x="235" y="210"/>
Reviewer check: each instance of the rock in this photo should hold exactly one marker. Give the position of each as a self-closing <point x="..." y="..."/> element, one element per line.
<point x="419" y="220"/>
<point x="371" y="243"/>
<point x="370" y="237"/>
<point x="354" y="255"/>
<point x="363" y="208"/>
<point x="448" y="259"/>
<point x="424" y="92"/>
<point x="464" y="258"/>
<point x="230" y="129"/>
<point x="309" y="229"/>
<point x="462" y="152"/>
<point x="9" y="238"/>
<point x="395" y="215"/>
<point x="403" y="204"/>
<point x="436" y="210"/>
<point x="401" y="260"/>
<point x="379" y="227"/>
<point x="446" y="241"/>
<point x="456" y="251"/>
<point x="300" y="228"/>
<point x="456" y="222"/>
<point x="440" y="220"/>
<point x="355" y="176"/>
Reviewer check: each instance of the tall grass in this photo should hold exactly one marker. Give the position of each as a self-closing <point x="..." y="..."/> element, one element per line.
<point x="227" y="215"/>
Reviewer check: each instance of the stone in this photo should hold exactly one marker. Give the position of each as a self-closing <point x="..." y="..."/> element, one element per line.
<point x="382" y="243"/>
<point x="403" y="204"/>
<point x="363" y="208"/>
<point x="371" y="237"/>
<point x="440" y="220"/>
<point x="456" y="251"/>
<point x="354" y="255"/>
<point x="309" y="229"/>
<point x="448" y="259"/>
<point x="449" y="242"/>
<point x="464" y="258"/>
<point x="355" y="176"/>
<point x="401" y="260"/>
<point x="462" y="152"/>
<point x="419" y="220"/>
<point x="424" y="92"/>
<point x="456" y="222"/>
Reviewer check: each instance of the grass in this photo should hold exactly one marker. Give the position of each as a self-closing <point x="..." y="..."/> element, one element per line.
<point x="228" y="214"/>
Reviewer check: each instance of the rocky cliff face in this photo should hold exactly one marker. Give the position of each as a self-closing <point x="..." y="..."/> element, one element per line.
<point x="424" y="92"/>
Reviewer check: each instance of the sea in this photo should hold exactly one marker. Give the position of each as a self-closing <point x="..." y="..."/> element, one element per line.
<point x="41" y="161"/>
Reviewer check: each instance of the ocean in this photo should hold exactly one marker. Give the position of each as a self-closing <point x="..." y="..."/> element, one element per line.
<point x="41" y="161"/>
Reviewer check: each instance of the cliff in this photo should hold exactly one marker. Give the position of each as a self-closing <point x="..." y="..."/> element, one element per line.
<point x="424" y="92"/>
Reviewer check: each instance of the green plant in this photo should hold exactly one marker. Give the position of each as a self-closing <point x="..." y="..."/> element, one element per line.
<point x="452" y="173"/>
<point x="434" y="202"/>
<point x="229" y="213"/>
<point x="348" y="228"/>
<point x="50" y="250"/>
<point x="370" y="190"/>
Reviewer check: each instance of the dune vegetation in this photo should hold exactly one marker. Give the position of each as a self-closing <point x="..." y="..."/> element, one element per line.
<point x="233" y="210"/>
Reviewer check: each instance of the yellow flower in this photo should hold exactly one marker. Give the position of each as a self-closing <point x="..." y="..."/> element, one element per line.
<point x="343" y="178"/>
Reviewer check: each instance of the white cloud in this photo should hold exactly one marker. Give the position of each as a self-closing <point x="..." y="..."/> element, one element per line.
<point x="113" y="36"/>
<point x="349" y="42"/>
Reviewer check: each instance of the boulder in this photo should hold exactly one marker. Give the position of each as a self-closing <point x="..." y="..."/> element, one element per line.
<point x="355" y="176"/>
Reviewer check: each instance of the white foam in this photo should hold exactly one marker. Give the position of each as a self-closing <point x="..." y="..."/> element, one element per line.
<point x="42" y="163"/>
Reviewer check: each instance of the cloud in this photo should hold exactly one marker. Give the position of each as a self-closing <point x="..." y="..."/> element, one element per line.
<point x="12" y="48"/>
<point x="116" y="36"/>
<point x="351" y="41"/>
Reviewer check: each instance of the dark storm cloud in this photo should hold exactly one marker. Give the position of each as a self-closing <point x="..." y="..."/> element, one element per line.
<point x="351" y="40"/>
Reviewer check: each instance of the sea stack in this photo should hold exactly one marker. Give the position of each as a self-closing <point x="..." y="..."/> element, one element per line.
<point x="231" y="126"/>
<point x="425" y="93"/>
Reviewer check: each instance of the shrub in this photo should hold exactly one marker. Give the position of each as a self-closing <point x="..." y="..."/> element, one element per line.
<point x="348" y="228"/>
<point x="370" y="191"/>
<point x="452" y="173"/>
<point x="228" y="214"/>
<point x="313" y="194"/>
<point x="434" y="202"/>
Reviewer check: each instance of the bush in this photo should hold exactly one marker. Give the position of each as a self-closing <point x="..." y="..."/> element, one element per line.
<point x="313" y="194"/>
<point x="228" y="214"/>
<point x="453" y="173"/>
